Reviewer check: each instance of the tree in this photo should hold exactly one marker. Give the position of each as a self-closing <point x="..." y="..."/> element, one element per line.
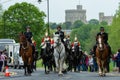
<point x="93" y="22"/>
<point x="20" y="15"/>
<point x="1" y="22"/>
<point x="53" y="25"/>
<point x="114" y="30"/>
<point x="67" y="25"/>
<point x="103" y="23"/>
<point x="77" y="24"/>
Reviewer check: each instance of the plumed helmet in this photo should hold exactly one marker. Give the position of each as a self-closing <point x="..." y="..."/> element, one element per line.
<point x="75" y="38"/>
<point x="46" y="33"/>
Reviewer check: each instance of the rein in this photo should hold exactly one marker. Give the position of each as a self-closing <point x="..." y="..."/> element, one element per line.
<point x="26" y="47"/>
<point x="59" y="49"/>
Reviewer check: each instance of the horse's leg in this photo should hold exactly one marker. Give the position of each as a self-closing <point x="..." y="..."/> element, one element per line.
<point x="57" y="65"/>
<point x="25" y="66"/>
<point x="104" y="68"/>
<point x="100" y="67"/>
<point x="29" y="66"/>
<point x="35" y="65"/>
<point x="60" y="67"/>
<point x="45" y="68"/>
<point x="74" y="65"/>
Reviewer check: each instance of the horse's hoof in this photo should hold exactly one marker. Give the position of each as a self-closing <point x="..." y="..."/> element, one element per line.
<point x="100" y="74"/>
<point x="65" y="71"/>
<point x="47" y="72"/>
<point x="60" y="74"/>
<point x="103" y="75"/>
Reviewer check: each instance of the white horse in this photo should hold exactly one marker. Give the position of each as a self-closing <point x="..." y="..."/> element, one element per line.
<point x="59" y="54"/>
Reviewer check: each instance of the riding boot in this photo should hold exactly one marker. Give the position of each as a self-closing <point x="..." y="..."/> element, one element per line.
<point x="110" y="52"/>
<point x="20" y="49"/>
<point x="94" y="50"/>
<point x="41" y="53"/>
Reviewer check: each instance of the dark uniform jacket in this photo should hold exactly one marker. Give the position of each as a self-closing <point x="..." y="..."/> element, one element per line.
<point x="105" y="36"/>
<point x="28" y="36"/>
<point x="61" y="33"/>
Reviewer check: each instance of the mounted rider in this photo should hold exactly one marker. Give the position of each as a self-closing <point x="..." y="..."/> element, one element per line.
<point x="28" y="34"/>
<point x="61" y="33"/>
<point x="67" y="38"/>
<point x="76" y="43"/>
<point x="45" y="39"/>
<point x="105" y="38"/>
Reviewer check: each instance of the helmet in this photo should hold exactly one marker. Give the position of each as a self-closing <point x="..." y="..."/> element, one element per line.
<point x="46" y="34"/>
<point x="75" y="38"/>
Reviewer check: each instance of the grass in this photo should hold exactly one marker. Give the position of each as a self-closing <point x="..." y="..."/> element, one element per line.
<point x="39" y="64"/>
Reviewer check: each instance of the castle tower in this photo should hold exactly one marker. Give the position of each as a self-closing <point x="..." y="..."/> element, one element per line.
<point x="73" y="15"/>
<point x="101" y="16"/>
<point x="107" y="19"/>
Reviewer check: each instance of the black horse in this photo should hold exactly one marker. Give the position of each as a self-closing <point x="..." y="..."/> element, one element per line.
<point x="68" y="50"/>
<point x="46" y="56"/>
<point x="76" y="55"/>
<point x="35" y="58"/>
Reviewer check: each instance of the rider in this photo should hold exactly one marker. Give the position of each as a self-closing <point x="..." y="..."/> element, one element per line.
<point x="76" y="42"/>
<point x="105" y="38"/>
<point x="67" y="38"/>
<point x="45" y="39"/>
<point x="28" y="34"/>
<point x="61" y="33"/>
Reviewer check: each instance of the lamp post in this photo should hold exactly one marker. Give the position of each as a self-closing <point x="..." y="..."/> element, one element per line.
<point x="48" y="28"/>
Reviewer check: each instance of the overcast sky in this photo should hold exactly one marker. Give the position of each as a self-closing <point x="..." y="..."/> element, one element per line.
<point x="57" y="7"/>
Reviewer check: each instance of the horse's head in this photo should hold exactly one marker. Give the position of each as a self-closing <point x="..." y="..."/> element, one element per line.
<point x="48" y="45"/>
<point x="67" y="44"/>
<point x="57" y="40"/>
<point x="22" y="38"/>
<point x="100" y="42"/>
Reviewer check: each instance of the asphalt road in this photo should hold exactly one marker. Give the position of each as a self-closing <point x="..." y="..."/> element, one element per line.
<point x="18" y="74"/>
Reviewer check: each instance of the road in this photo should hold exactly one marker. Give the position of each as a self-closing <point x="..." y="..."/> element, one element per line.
<point x="18" y="74"/>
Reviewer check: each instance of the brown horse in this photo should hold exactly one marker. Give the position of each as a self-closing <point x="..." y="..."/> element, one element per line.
<point x="101" y="55"/>
<point x="26" y="53"/>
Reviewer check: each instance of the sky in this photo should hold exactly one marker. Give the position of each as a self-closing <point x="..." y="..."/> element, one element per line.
<point x="57" y="7"/>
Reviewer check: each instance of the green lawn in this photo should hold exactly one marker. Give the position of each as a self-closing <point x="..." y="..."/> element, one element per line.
<point x="39" y="64"/>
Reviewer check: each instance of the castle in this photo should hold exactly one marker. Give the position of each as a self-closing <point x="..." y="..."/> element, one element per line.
<point x="107" y="19"/>
<point x="75" y="14"/>
<point x="80" y="14"/>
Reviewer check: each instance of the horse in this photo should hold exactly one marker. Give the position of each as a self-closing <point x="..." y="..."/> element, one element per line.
<point x="46" y="56"/>
<point x="26" y="54"/>
<point x="76" y="56"/>
<point x="35" y="58"/>
<point x="69" y="58"/>
<point x="102" y="53"/>
<point x="59" y="54"/>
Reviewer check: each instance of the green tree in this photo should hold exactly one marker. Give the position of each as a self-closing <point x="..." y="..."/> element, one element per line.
<point x="77" y="24"/>
<point x="1" y="22"/>
<point x="67" y="25"/>
<point x="114" y="31"/>
<point x="93" y="21"/>
<point x="103" y="23"/>
<point x="53" y="25"/>
<point x="20" y="15"/>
